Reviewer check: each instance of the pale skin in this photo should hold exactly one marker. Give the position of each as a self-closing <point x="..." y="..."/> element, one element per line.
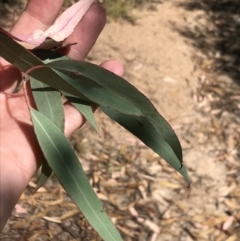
<point x="19" y="151"/>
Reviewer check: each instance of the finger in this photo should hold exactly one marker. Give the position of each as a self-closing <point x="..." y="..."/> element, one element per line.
<point x="9" y="77"/>
<point x="86" y="33"/>
<point x="73" y="119"/>
<point x="38" y="14"/>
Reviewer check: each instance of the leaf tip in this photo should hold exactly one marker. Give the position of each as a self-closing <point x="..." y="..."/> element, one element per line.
<point x="184" y="173"/>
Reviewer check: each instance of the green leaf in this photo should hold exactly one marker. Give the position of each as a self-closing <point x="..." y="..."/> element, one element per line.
<point x="105" y="89"/>
<point x="81" y="104"/>
<point x="16" y="54"/>
<point x="86" y="86"/>
<point x="97" y="93"/>
<point x="46" y="172"/>
<point x="49" y="103"/>
<point x="117" y="86"/>
<point x="24" y="60"/>
<point x="66" y="166"/>
<point x="84" y="107"/>
<point x="121" y="87"/>
<point x="142" y="128"/>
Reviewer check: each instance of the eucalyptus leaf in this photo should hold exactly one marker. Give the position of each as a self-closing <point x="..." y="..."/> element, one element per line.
<point x="84" y="107"/>
<point x="24" y="60"/>
<point x="49" y="103"/>
<point x="66" y="166"/>
<point x="46" y="172"/>
<point x="117" y="86"/>
<point x="142" y="128"/>
<point x="97" y="93"/>
<point x="81" y="104"/>
<point x="121" y="87"/>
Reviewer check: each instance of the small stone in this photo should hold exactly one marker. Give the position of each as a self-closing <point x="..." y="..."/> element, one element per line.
<point x="169" y="80"/>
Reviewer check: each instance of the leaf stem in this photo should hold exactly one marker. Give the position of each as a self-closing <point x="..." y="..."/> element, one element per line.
<point x="33" y="68"/>
<point x="26" y="95"/>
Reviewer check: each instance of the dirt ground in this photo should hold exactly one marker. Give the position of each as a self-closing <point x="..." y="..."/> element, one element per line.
<point x="146" y="198"/>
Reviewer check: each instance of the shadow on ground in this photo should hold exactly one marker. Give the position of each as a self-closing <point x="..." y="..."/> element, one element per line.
<point x="218" y="36"/>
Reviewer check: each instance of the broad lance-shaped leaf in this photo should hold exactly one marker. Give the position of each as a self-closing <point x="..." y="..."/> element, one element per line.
<point x="120" y="87"/>
<point x="97" y="93"/>
<point x="82" y="105"/>
<point x="46" y="172"/>
<point x="98" y="98"/>
<point x="84" y="108"/>
<point x="144" y="130"/>
<point x="49" y="103"/>
<point x="66" y="166"/>
<point x="24" y="60"/>
<point x="86" y="86"/>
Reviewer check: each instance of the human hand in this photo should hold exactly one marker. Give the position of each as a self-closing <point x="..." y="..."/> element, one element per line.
<point x="19" y="150"/>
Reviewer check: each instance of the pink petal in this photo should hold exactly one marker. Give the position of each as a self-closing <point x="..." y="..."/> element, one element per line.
<point x="62" y="27"/>
<point x="36" y="37"/>
<point x="68" y="20"/>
